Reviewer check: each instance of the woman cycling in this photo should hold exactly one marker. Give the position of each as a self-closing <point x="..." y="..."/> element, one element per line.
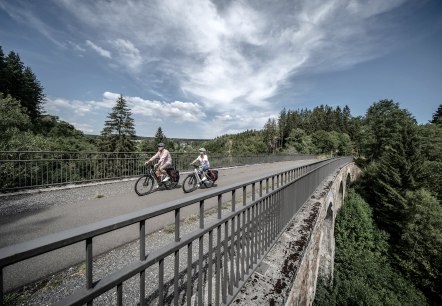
<point x="203" y="159"/>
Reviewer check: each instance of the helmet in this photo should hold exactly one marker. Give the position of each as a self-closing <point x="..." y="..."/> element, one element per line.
<point x="202" y="150"/>
<point x="161" y="145"/>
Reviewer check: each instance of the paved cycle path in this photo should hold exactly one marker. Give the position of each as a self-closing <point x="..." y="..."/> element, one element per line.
<point x="84" y="207"/>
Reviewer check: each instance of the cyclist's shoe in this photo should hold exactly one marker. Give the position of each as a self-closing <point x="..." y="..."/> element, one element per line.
<point x="166" y="179"/>
<point x="204" y="179"/>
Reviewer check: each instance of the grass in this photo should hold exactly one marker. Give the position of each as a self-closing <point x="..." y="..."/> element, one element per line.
<point x="99" y="195"/>
<point x="169" y="228"/>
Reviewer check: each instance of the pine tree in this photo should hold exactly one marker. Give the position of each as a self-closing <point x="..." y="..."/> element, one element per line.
<point x="160" y="137"/>
<point x="2" y="72"/>
<point x="437" y="116"/>
<point x="397" y="167"/>
<point x="118" y="134"/>
<point x="21" y="84"/>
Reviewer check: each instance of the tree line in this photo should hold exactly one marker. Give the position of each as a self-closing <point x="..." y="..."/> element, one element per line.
<point x="396" y="225"/>
<point x="389" y="232"/>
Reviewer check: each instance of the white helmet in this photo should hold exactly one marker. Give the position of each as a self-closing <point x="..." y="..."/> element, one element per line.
<point x="202" y="150"/>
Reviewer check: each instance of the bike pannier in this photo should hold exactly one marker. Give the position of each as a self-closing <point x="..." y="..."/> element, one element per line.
<point x="212" y="174"/>
<point x="174" y="174"/>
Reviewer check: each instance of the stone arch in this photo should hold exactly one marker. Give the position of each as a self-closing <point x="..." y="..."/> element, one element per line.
<point x="327" y="246"/>
<point x="348" y="181"/>
<point x="341" y="193"/>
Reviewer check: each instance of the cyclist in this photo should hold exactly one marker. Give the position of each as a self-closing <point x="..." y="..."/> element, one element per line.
<point x="203" y="160"/>
<point x="165" y="161"/>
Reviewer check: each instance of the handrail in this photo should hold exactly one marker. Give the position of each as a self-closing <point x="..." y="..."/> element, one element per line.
<point x="257" y="207"/>
<point x="33" y="169"/>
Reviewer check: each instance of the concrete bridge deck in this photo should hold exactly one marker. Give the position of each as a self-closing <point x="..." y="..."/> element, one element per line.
<point x="32" y="215"/>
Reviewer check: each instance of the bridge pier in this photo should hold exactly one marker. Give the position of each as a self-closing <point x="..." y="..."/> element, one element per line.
<point x="288" y="275"/>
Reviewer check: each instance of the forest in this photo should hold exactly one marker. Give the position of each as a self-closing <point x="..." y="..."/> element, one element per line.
<point x="389" y="232"/>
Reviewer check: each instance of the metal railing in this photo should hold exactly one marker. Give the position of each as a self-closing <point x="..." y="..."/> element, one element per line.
<point x="32" y="169"/>
<point x="229" y="248"/>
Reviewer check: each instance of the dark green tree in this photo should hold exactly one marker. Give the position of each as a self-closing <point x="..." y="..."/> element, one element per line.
<point x="363" y="274"/>
<point x="159" y="137"/>
<point x="13" y="120"/>
<point x="270" y="134"/>
<point x="387" y="180"/>
<point x="2" y="72"/>
<point x="118" y="134"/>
<point x="22" y="85"/>
<point x="420" y="245"/>
<point x="385" y="121"/>
<point x="437" y="116"/>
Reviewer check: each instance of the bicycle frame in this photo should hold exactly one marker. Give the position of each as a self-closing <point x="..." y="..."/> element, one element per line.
<point x="193" y="181"/>
<point x="145" y="184"/>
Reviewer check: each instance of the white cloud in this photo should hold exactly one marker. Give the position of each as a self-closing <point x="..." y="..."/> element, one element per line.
<point x="229" y="58"/>
<point x="98" y="49"/>
<point x="129" y="55"/>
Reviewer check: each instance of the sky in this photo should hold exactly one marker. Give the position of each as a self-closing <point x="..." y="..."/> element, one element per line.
<point x="201" y="69"/>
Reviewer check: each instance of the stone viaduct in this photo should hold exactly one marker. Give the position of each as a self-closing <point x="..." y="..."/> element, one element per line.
<point x="305" y="250"/>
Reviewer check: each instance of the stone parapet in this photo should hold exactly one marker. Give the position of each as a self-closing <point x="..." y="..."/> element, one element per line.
<point x="289" y="272"/>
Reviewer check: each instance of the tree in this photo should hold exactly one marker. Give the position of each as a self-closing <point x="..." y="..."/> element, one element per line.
<point x="387" y="180"/>
<point x="437" y="116"/>
<point x="159" y="137"/>
<point x="385" y="121"/>
<point x="118" y="134"/>
<point x="363" y="275"/>
<point x="2" y="72"/>
<point x="22" y="85"/>
<point x="420" y="246"/>
<point x="270" y="133"/>
<point x="13" y="119"/>
<point x="326" y="142"/>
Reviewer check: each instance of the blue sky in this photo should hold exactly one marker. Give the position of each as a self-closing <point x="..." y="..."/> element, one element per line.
<point x="201" y="69"/>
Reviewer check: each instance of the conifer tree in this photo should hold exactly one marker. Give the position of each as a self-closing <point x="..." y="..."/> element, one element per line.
<point x="437" y="116"/>
<point x="118" y="134"/>
<point x="21" y="83"/>
<point x="398" y="165"/>
<point x="159" y="137"/>
<point x="2" y="72"/>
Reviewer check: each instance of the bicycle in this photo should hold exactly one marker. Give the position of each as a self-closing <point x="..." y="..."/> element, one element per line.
<point x="144" y="185"/>
<point x="194" y="180"/>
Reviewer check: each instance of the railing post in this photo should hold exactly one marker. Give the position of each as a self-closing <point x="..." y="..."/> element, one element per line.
<point x="89" y="266"/>
<point x="143" y="257"/>
<point x="2" y="295"/>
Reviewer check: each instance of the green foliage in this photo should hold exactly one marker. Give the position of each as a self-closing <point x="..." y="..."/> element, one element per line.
<point x="385" y="121"/>
<point x="118" y="134"/>
<point x="248" y="142"/>
<point x="13" y="119"/>
<point x="431" y="141"/>
<point x="397" y="167"/>
<point x="301" y="142"/>
<point x="437" y="116"/>
<point x="159" y="138"/>
<point x="363" y="275"/>
<point x="21" y="83"/>
<point x="420" y="247"/>
<point x="432" y="172"/>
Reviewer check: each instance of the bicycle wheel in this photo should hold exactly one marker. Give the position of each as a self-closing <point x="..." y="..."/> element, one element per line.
<point x="190" y="183"/>
<point x="144" y="185"/>
<point x="170" y="184"/>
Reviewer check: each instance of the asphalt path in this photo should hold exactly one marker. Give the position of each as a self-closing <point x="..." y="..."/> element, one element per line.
<point x="85" y="207"/>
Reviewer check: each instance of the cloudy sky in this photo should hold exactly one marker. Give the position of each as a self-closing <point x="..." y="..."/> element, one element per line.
<point x="201" y="69"/>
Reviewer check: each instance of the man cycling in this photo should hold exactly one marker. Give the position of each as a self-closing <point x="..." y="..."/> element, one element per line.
<point x="164" y="162"/>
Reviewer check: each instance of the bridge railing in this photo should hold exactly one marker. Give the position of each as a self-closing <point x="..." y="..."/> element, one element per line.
<point x="229" y="248"/>
<point x="33" y="169"/>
